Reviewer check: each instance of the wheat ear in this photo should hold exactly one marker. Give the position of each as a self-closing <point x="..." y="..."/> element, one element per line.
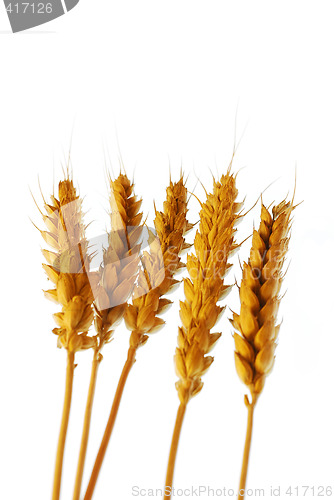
<point x="155" y="280"/>
<point x="68" y="268"/>
<point x="116" y="281"/>
<point x="214" y="243"/>
<point x="259" y="297"/>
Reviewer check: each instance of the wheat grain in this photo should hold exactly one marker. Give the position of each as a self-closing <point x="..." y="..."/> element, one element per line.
<point x="199" y="312"/>
<point x="155" y="279"/>
<point x="259" y="297"/>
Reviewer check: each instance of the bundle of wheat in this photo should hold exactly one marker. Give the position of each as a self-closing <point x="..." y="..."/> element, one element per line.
<point x="146" y="277"/>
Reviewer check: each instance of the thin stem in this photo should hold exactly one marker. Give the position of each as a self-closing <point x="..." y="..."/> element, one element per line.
<point x="173" y="450"/>
<point x="244" y="469"/>
<point x="111" y="421"/>
<point x="86" y="426"/>
<point x="63" y="426"/>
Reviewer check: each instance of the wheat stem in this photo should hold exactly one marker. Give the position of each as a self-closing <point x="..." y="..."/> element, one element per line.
<point x="110" y="424"/>
<point x="199" y="312"/>
<point x="259" y="292"/>
<point x="64" y="425"/>
<point x="244" y="468"/>
<point x="173" y="450"/>
<point x="86" y="426"/>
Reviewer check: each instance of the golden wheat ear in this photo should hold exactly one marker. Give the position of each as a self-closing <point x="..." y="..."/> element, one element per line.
<point x="159" y="266"/>
<point x="116" y="279"/>
<point x="255" y="342"/>
<point x="155" y="279"/>
<point x="120" y="260"/>
<point x="67" y="268"/>
<point x="203" y="288"/>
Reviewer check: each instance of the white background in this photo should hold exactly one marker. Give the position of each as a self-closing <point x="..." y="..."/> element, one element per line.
<point x="167" y="78"/>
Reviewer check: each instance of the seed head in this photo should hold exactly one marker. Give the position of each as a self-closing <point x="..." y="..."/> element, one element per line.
<point x="120" y="260"/>
<point x="255" y="344"/>
<point x="68" y="268"/>
<point x="199" y="312"/>
<point x="156" y="277"/>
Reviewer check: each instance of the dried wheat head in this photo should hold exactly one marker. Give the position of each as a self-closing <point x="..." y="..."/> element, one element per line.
<point x="120" y="260"/>
<point x="259" y="297"/>
<point x="199" y="312"/>
<point x="68" y="268"/>
<point x="156" y="277"/>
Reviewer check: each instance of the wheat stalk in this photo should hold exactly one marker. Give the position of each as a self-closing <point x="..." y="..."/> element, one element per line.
<point x="68" y="267"/>
<point x="199" y="312"/>
<point x="116" y="280"/>
<point x="259" y="297"/>
<point x="155" y="279"/>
